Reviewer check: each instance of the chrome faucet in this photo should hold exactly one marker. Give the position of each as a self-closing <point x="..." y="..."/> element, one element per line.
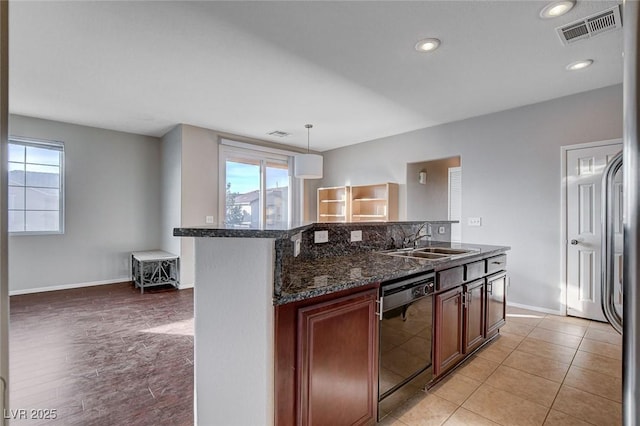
<point x="413" y="239"/>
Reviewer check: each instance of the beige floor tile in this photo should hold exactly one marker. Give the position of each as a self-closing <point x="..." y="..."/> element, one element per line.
<point x="530" y="320"/>
<point x="456" y="388"/>
<point x="556" y="337"/>
<point x="595" y="383"/>
<point x="425" y="410"/>
<point x="477" y="368"/>
<point x="588" y="407"/>
<point x="527" y="386"/>
<point x="540" y="366"/>
<point x="563" y="327"/>
<point x="547" y="350"/>
<point x="518" y="329"/>
<point x="601" y="348"/>
<point x="557" y="418"/>
<point x="570" y="320"/>
<point x="495" y="351"/>
<point x="390" y="421"/>
<point x="602" y="326"/>
<point x="604" y="336"/>
<point x="599" y="363"/>
<point x="508" y="339"/>
<point x="504" y="407"/>
<point x="463" y="417"/>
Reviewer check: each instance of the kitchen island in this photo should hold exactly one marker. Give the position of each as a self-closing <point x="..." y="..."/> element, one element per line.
<point x="243" y="275"/>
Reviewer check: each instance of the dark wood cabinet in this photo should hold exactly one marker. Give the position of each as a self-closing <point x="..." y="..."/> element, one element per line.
<point x="474" y="315"/>
<point x="327" y="360"/>
<point x="469" y="309"/>
<point x="448" y="327"/>
<point x="496" y="302"/>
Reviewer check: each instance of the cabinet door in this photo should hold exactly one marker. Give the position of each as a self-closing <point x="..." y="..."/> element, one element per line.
<point x="338" y="362"/>
<point x="448" y="349"/>
<point x="474" y="315"/>
<point x="496" y="302"/>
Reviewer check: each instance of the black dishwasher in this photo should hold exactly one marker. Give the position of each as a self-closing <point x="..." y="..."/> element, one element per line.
<point x="406" y="324"/>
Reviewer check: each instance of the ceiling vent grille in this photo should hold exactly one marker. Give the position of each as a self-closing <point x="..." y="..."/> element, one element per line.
<point x="590" y="26"/>
<point x="279" y="133"/>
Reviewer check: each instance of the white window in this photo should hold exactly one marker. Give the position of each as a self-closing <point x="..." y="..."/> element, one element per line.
<point x="36" y="177"/>
<point x="257" y="187"/>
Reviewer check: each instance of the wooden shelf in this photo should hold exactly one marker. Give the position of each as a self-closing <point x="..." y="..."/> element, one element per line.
<point x="333" y="204"/>
<point x="375" y="203"/>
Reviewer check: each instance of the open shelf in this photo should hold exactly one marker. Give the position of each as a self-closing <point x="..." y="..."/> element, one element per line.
<point x="333" y="204"/>
<point x="370" y="203"/>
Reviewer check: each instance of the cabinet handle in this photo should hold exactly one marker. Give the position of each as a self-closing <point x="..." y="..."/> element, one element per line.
<point x="490" y="288"/>
<point x="469" y="299"/>
<point x="380" y="303"/>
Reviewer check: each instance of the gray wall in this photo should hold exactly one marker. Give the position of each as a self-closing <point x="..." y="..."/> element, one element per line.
<point x="511" y="177"/>
<point x="171" y="153"/>
<point x="190" y="193"/>
<point x="431" y="200"/>
<point x="112" y="207"/>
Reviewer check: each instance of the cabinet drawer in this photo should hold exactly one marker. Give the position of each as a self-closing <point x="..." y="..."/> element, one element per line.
<point x="474" y="270"/>
<point x="449" y="278"/>
<point x="496" y="263"/>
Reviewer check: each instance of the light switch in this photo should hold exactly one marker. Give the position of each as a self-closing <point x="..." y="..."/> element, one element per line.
<point x="208" y="219"/>
<point x="474" y="221"/>
<point x="321" y="237"/>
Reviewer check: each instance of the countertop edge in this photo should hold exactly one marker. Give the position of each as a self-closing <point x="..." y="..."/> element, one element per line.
<point x="286" y="298"/>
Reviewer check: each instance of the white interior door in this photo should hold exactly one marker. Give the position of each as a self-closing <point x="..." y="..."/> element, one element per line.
<point x="584" y="167"/>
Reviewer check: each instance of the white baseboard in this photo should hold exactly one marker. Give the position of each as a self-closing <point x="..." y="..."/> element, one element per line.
<point x="536" y="308"/>
<point x="68" y="286"/>
<point x="185" y="286"/>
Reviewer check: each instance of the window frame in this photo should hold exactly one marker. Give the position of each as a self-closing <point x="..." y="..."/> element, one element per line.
<point x="229" y="148"/>
<point x="42" y="144"/>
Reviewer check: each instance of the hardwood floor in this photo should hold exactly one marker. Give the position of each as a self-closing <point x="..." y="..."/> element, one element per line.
<point x="104" y="355"/>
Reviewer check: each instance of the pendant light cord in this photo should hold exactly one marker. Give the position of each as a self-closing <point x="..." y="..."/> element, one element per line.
<point x="308" y="126"/>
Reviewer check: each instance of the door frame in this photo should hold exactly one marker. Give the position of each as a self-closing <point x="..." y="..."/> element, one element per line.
<point x="564" y="150"/>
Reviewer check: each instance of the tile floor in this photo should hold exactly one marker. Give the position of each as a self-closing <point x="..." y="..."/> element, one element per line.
<point x="541" y="370"/>
<point x="104" y="355"/>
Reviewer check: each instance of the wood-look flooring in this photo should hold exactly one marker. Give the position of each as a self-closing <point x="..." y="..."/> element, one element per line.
<point x="104" y="355"/>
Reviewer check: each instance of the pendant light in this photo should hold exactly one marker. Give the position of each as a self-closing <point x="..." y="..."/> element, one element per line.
<point x="308" y="166"/>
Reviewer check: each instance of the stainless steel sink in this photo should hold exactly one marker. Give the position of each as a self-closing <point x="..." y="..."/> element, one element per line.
<point x="442" y="250"/>
<point x="432" y="253"/>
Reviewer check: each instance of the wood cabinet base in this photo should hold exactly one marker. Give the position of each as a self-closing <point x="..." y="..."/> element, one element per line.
<point x="327" y="360"/>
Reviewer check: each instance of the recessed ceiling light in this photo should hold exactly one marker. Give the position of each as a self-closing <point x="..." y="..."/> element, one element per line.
<point x="557" y="8"/>
<point x="578" y="65"/>
<point x="427" y="45"/>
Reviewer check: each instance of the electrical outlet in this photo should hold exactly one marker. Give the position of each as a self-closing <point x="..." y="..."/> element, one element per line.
<point x="474" y="221"/>
<point x="441" y="230"/>
<point x="356" y="236"/>
<point x="297" y="243"/>
<point x="321" y="237"/>
<point x="208" y="219"/>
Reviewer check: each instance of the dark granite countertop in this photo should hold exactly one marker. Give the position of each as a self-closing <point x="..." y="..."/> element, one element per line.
<point x="279" y="231"/>
<point x="227" y="231"/>
<point x="305" y="279"/>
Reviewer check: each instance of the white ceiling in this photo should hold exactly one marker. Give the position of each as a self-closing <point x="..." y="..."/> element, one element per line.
<point x="249" y="68"/>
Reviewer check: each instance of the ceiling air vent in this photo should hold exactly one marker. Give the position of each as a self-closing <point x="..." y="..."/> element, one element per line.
<point x="590" y="26"/>
<point x="279" y="133"/>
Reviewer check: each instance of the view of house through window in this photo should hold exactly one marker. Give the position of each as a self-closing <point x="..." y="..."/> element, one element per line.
<point x="35" y="186"/>
<point x="257" y="189"/>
